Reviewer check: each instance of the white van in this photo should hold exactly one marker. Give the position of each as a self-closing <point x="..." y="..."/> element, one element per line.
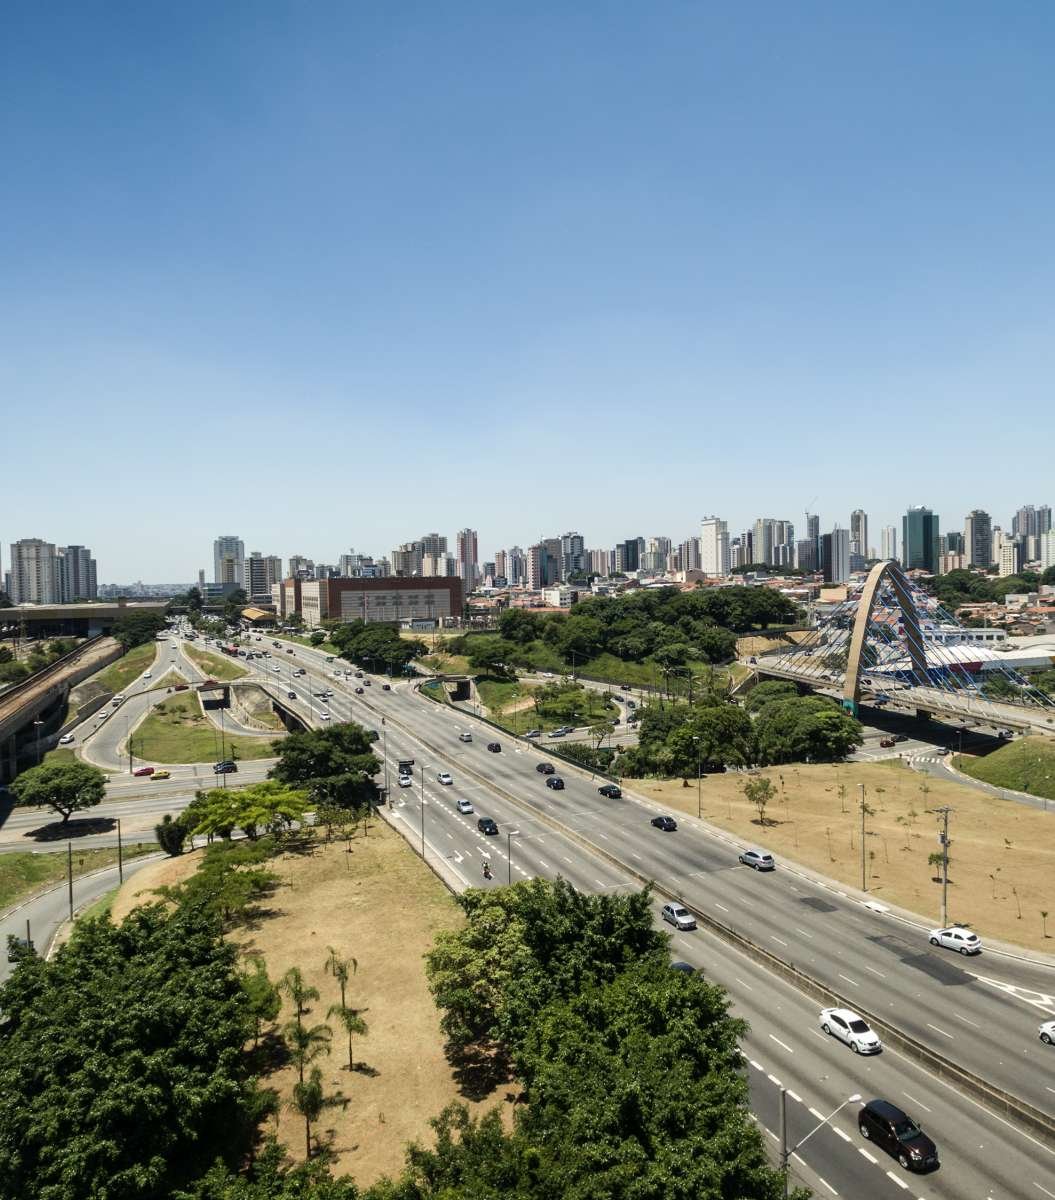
<point x="117" y="700"/>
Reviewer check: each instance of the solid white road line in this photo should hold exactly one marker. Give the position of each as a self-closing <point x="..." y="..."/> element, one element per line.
<point x="748" y="986"/>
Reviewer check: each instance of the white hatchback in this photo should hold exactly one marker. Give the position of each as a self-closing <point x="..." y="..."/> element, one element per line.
<point x="957" y="937"/>
<point x="445" y="777"/>
<point x="464" y="806"/>
<point x="848" y="1027"/>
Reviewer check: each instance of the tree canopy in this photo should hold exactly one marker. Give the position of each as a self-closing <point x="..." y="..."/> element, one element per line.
<point x="67" y="787"/>
<point x="375" y="646"/>
<point x="137" y="627"/>
<point x="335" y="764"/>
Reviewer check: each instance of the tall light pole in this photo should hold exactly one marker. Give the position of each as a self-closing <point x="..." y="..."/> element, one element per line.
<point x="37" y="725"/>
<point x="422" y="812"/>
<point x="943" y="837"/>
<point x="384" y="752"/>
<point x="510" y="834"/>
<point x="699" y="779"/>
<point x="785" y="1151"/>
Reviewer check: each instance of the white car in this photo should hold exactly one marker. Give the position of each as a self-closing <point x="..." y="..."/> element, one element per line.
<point x="848" y="1027"/>
<point x="324" y="716"/>
<point x="465" y="737"/>
<point x="406" y="781"/>
<point x="678" y="916"/>
<point x="445" y="777"/>
<point x="957" y="937"/>
<point x="464" y="806"/>
<point x="148" y="675"/>
<point x="1047" y="1033"/>
<point x="66" y="739"/>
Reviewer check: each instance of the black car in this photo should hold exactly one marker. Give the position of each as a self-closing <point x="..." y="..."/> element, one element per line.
<point x="895" y="1131"/>
<point x="358" y="691"/>
<point x="684" y="967"/>
<point x="556" y="783"/>
<point x="900" y="737"/>
<point x="544" y="768"/>
<point x="611" y="790"/>
<point x="486" y="825"/>
<point x="495" y="747"/>
<point x="667" y="824"/>
<point x="386" y="687"/>
<point x="227" y="767"/>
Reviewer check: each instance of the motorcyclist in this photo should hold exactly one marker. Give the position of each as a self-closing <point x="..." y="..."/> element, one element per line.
<point x="487" y="870"/>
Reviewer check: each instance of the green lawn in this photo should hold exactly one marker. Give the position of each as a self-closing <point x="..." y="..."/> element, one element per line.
<point x="118" y="675"/>
<point x="23" y="872"/>
<point x="177" y="731"/>
<point x="60" y="754"/>
<point x="1025" y="765"/>
<point x="326" y="647"/>
<point x="447" y="664"/>
<point x="578" y="706"/>
<point x="101" y="907"/>
<point x="436" y="691"/>
<point x="216" y="666"/>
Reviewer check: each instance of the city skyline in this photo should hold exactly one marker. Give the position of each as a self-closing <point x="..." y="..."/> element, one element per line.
<point x="529" y="253"/>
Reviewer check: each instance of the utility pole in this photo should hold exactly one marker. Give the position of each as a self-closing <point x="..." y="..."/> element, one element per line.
<point x="69" y="874"/>
<point x="943" y="837"/>
<point x="120" y="856"/>
<point x="864" y="878"/>
<point x="422" y="812"/>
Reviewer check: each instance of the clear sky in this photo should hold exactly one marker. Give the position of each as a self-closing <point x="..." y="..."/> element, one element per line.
<point x="338" y="274"/>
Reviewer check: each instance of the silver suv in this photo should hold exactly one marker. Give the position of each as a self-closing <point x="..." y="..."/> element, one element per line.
<point x="678" y="916"/>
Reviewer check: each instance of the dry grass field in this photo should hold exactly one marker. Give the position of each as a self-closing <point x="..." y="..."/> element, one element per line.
<point x="374" y="901"/>
<point x="1002" y="854"/>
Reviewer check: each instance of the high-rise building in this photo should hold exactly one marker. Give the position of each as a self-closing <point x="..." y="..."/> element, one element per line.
<point x="953" y="542"/>
<point x="690" y="554"/>
<point x="599" y="561"/>
<point x="1010" y="561"/>
<point x="656" y="556"/>
<point x="888" y="540"/>
<point x="516" y="566"/>
<point x="835" y="555"/>
<point x="433" y="543"/>
<point x="806" y="556"/>
<point x="714" y="547"/>
<point x="260" y="571"/>
<point x="573" y="554"/>
<point x="1047" y="549"/>
<point x="1024" y="522"/>
<point x="774" y="542"/>
<point x="437" y="566"/>
<point x="35" y="572"/>
<point x="406" y="559"/>
<point x="859" y="532"/>
<point x="978" y="538"/>
<point x="301" y="567"/>
<point x="468" y="559"/>
<point x="536" y="567"/>
<point x="228" y="556"/>
<point x="919" y="540"/>
<point x="500" y="565"/>
<point x="77" y="574"/>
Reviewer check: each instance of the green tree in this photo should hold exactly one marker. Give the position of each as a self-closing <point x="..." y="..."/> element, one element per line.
<point x="493" y="656"/>
<point x="310" y="1101"/>
<point x="342" y="969"/>
<point x="335" y="764"/>
<point x="766" y="692"/>
<point x="317" y="637"/>
<point x="805" y="729"/>
<point x="171" y="834"/>
<point x="134" y="628"/>
<point x="122" y="1072"/>
<point x="759" y="791"/>
<point x="352" y="1024"/>
<point x="301" y="994"/>
<point x="306" y="1042"/>
<point x="66" y="787"/>
<point x="262" y="996"/>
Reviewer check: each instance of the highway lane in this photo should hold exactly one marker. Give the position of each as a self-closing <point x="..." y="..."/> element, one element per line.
<point x="982" y="1012"/>
<point x="47" y="912"/>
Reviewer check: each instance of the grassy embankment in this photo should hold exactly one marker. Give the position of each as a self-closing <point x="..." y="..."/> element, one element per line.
<point x="1026" y="765"/>
<point x="326" y="647"/>
<point x="1002" y="862"/>
<point x="177" y="731"/>
<point x="333" y="898"/>
<point x="518" y="706"/>
<point x="216" y="666"/>
<point x="24" y="872"/>
<point x="118" y="675"/>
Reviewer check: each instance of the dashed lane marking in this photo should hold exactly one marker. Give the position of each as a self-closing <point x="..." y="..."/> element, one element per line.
<point x="845" y="1136"/>
<point x="871" y="1157"/>
<point x="915" y="1101"/>
<point x="814" y="1113"/>
<point x="900" y="1182"/>
<point x="780" y="1043"/>
<point x="795" y="1096"/>
<point x="941" y="1031"/>
<point x="849" y="980"/>
<point x="774" y="1080"/>
<point x="827" y="1185"/>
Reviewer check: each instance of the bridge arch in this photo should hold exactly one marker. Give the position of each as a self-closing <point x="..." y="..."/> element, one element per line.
<point x="887" y="569"/>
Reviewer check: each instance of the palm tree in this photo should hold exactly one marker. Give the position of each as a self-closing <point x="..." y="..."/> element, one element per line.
<point x="352" y="1022"/>
<point x="292" y="984"/>
<point x="306" y="1043"/>
<point x="342" y="969"/>
<point x="310" y="1102"/>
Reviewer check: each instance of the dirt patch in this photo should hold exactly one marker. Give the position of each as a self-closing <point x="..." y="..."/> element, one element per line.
<point x="1002" y="854"/>
<point x="140" y="888"/>
<point x="381" y="906"/>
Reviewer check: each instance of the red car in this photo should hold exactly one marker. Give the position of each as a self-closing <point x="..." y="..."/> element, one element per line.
<point x="180" y="687"/>
<point x="143" y="771"/>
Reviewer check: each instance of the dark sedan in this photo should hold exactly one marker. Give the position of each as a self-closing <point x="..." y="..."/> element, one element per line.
<point x="667" y="824"/>
<point x="487" y="825"/>
<point x="544" y="768"/>
<point x="556" y="783"/>
<point x="611" y="790"/>
<point x="495" y="747"/>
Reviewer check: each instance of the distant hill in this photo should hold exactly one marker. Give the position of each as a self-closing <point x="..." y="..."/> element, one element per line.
<point x="1026" y="765"/>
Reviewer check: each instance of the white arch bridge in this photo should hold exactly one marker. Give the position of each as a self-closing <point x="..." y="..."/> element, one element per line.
<point x="892" y="643"/>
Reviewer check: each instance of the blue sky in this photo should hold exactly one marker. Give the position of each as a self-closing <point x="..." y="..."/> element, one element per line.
<point x="332" y="275"/>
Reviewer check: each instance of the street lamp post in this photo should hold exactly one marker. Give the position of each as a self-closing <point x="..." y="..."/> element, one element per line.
<point x="120" y="855"/>
<point x="37" y="725"/>
<point x="785" y="1151"/>
<point x="510" y="834"/>
<point x="699" y="779"/>
<point x="422" y="812"/>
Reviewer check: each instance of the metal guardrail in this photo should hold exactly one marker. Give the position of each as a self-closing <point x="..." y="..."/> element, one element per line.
<point x="995" y="1099"/>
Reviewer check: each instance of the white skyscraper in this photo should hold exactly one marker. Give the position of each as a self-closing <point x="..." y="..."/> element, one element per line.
<point x="468" y="558"/>
<point x="36" y="572"/>
<point x="714" y="547"/>
<point x="889" y="542"/>
<point x="228" y="558"/>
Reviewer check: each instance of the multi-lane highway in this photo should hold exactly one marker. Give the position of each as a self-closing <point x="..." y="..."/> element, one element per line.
<point x="982" y="1013"/>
